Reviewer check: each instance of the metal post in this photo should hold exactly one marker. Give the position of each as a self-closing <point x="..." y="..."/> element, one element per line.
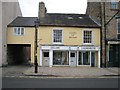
<point x="36" y="35"/>
<point x="104" y="33"/>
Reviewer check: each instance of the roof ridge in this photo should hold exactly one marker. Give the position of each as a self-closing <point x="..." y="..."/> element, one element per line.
<point x="27" y="17"/>
<point x="67" y="13"/>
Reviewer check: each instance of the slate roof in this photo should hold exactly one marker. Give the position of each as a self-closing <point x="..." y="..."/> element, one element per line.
<point x="56" y="19"/>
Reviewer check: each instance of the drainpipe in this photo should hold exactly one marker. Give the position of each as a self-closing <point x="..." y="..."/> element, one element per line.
<point x="101" y="35"/>
<point x="105" y="32"/>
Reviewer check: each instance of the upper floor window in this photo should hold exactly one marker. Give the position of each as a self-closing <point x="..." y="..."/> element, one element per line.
<point x="87" y="37"/>
<point x="57" y="36"/>
<point x="18" y="30"/>
<point x="114" y="5"/>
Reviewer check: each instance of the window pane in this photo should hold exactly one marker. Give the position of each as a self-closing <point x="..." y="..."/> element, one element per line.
<point x="46" y="54"/>
<point x="22" y="31"/>
<point x="118" y="36"/>
<point x="15" y="30"/>
<point x="87" y="37"/>
<point x="72" y="55"/>
<point x="113" y="5"/>
<point x="57" y="36"/>
<point x="18" y="31"/>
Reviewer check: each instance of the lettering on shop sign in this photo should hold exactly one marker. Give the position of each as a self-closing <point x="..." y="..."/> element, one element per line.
<point x="55" y="47"/>
<point x="90" y="48"/>
<point x="72" y="35"/>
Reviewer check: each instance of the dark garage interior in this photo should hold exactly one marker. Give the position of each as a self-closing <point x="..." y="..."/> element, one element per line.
<point x="18" y="54"/>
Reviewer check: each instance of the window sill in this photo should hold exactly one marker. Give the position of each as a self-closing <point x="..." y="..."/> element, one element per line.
<point x="88" y="44"/>
<point x="57" y="43"/>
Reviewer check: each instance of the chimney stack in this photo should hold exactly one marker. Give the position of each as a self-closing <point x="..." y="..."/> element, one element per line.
<point x="42" y="10"/>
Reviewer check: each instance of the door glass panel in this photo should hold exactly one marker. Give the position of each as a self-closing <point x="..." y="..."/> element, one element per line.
<point x="46" y="54"/>
<point x="72" y="55"/>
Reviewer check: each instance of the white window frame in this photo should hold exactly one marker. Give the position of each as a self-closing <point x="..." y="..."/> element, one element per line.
<point x="53" y="36"/>
<point x="20" y="33"/>
<point x="83" y="37"/>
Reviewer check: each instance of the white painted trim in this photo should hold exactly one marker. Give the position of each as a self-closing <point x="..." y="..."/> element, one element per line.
<point x="51" y="58"/>
<point x="83" y="37"/>
<point x="77" y="57"/>
<point x="60" y="65"/>
<point x="113" y="42"/>
<point x="41" y="57"/>
<point x="74" y="48"/>
<point x="17" y="31"/>
<point x="99" y="59"/>
<point x="53" y="35"/>
<point x="68" y="48"/>
<point x="69" y="58"/>
<point x="84" y="65"/>
<point x="90" y="58"/>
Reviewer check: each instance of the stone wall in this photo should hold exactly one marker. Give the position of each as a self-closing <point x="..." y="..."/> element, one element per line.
<point x="10" y="10"/>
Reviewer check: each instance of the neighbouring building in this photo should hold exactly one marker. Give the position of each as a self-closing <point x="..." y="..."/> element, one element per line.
<point x="108" y="14"/>
<point x="8" y="12"/>
<point x="63" y="40"/>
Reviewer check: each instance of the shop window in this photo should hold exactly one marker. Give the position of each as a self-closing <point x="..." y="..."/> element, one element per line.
<point x="60" y="58"/>
<point x="18" y="31"/>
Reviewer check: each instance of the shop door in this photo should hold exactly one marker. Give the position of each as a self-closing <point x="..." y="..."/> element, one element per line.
<point x="45" y="58"/>
<point x="73" y="59"/>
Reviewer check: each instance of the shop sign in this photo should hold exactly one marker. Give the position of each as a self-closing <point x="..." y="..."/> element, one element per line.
<point x="55" y="47"/>
<point x="88" y="48"/>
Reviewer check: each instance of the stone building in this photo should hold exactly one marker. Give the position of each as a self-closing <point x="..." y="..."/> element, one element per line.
<point x="8" y="12"/>
<point x="107" y="14"/>
<point x="60" y="39"/>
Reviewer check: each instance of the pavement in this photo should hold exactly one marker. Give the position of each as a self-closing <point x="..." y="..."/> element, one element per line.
<point x="80" y="72"/>
<point x="14" y="70"/>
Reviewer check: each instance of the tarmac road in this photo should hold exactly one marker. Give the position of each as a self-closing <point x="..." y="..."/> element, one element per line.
<point x="10" y="82"/>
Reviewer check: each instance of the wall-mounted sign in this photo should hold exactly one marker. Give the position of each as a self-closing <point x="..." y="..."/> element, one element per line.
<point x="72" y="35"/>
<point x="89" y="48"/>
<point x="55" y="47"/>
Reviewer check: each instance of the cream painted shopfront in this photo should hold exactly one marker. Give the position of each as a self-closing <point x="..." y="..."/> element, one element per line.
<point x="69" y="56"/>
